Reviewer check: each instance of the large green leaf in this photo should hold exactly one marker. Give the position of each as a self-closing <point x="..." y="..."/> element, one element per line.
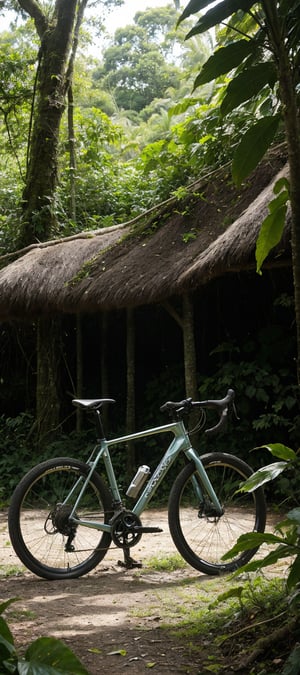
<point x="281" y="451"/>
<point x="271" y="558"/>
<point x="7" y="648"/>
<point x="253" y="146"/>
<point x="262" y="476"/>
<point x="193" y="7"/>
<point x="252" y="540"/>
<point x="270" y="234"/>
<point x="183" y="106"/>
<point x="49" y="656"/>
<point x="218" y="14"/>
<point x="291" y="666"/>
<point x="247" y="84"/>
<point x="294" y="576"/>
<point x="223" y="60"/>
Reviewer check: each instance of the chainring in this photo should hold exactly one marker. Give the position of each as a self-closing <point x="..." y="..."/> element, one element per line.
<point x="123" y="529"/>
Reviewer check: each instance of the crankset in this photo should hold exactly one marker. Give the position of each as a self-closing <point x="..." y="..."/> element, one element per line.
<point x="127" y="529"/>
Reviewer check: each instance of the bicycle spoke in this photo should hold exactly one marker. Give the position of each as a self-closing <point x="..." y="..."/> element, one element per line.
<point x="42" y="533"/>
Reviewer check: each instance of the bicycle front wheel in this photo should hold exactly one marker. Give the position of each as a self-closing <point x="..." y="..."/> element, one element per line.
<point x="203" y="538"/>
<point x="43" y="536"/>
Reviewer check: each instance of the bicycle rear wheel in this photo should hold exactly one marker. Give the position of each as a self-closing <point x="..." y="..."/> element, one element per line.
<point x="38" y="520"/>
<point x="200" y="537"/>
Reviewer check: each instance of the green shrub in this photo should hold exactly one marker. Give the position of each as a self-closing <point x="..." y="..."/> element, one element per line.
<point x="44" y="656"/>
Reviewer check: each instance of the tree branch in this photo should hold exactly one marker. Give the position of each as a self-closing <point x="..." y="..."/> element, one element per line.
<point x="34" y="10"/>
<point x="265" y="643"/>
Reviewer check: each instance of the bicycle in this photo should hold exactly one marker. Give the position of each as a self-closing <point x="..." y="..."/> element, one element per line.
<point x="63" y="515"/>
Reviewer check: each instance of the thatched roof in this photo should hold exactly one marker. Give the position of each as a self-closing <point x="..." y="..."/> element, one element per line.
<point x="184" y="245"/>
<point x="37" y="282"/>
<point x="234" y="250"/>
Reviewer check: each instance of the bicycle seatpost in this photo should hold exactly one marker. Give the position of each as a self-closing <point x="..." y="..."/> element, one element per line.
<point x="99" y="425"/>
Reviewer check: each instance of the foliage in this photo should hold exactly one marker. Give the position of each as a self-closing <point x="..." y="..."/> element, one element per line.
<point x="227" y="620"/>
<point x="19" y="451"/>
<point x="127" y="163"/>
<point x="266" y="399"/>
<point x="44" y="656"/>
<point x="135" y="67"/>
<point x="284" y="541"/>
<point x="259" y="49"/>
<point x="97" y="175"/>
<point x="272" y="226"/>
<point x="17" y="69"/>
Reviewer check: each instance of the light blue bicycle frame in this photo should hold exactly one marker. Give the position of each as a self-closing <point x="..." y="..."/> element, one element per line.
<point x="180" y="443"/>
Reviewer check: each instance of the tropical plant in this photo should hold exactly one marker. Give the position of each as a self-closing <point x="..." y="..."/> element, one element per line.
<point x="44" y="656"/>
<point x="284" y="541"/>
<point x="285" y="538"/>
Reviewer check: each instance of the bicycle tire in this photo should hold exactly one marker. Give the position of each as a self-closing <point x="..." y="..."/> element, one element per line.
<point x="202" y="539"/>
<point x="39" y="528"/>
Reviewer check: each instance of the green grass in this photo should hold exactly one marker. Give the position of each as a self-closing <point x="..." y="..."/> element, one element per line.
<point x="223" y="602"/>
<point x="191" y="608"/>
<point x="167" y="563"/>
<point x="11" y="570"/>
<point x="20" y="615"/>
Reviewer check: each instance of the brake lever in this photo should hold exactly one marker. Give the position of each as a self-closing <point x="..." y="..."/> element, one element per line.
<point x="219" y="426"/>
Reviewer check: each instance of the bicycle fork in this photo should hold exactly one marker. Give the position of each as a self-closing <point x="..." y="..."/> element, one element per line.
<point x="209" y="505"/>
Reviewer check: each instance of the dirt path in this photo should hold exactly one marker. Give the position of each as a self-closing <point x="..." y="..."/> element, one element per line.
<point x="111" y="618"/>
<point x="109" y="610"/>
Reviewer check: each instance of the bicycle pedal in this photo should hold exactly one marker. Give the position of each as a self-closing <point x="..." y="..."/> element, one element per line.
<point x="130" y="564"/>
<point x="142" y="529"/>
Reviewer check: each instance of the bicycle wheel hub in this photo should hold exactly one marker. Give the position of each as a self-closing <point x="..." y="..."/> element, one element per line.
<point x="60" y="520"/>
<point x="125" y="531"/>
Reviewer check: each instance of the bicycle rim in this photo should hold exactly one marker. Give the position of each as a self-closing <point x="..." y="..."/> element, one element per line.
<point x="201" y="538"/>
<point x="39" y="523"/>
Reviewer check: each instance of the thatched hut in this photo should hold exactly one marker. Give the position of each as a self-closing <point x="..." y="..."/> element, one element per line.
<point x="160" y="259"/>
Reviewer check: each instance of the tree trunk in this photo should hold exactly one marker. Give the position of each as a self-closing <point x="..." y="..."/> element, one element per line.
<point x="57" y="27"/>
<point x="48" y="394"/>
<point x="72" y="155"/>
<point x="79" y="370"/>
<point x="190" y="361"/>
<point x="130" y="403"/>
<point x="186" y="323"/>
<point x="293" y="142"/>
<point x="190" y="365"/>
<point x="104" y="380"/>
<point x="53" y="79"/>
<point x="288" y="97"/>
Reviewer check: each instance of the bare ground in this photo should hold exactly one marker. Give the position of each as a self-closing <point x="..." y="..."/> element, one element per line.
<point x="113" y="619"/>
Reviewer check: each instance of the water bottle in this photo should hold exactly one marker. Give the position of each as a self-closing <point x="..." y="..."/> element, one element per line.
<point x="138" y="480"/>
